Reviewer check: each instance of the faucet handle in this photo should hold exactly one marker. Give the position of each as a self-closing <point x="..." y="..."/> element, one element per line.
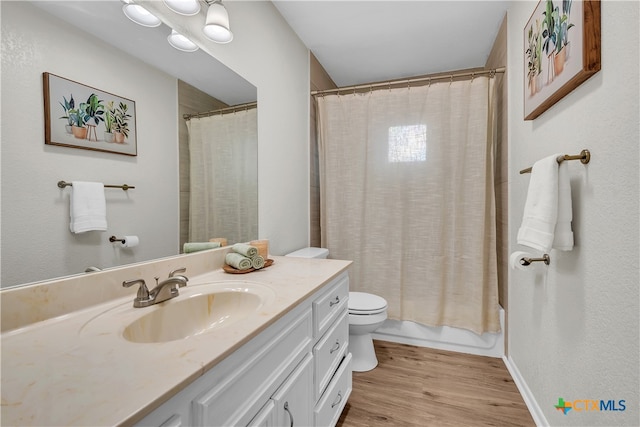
<point x="178" y="270"/>
<point x="180" y="276"/>
<point x="143" y="291"/>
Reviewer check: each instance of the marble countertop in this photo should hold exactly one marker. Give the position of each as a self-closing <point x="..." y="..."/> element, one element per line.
<point x="60" y="372"/>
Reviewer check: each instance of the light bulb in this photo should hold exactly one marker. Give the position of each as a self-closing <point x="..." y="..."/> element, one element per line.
<point x="140" y="15"/>
<point x="181" y="42"/>
<point x="217" y="24"/>
<point x="183" y="7"/>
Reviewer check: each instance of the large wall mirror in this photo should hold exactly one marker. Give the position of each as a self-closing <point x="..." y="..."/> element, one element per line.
<point x="202" y="84"/>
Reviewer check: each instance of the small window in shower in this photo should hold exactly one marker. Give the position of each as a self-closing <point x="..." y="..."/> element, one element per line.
<point x="408" y="143"/>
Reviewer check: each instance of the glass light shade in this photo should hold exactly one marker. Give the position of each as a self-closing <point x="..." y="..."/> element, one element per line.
<point x="140" y="15"/>
<point x="181" y="42"/>
<point x="217" y="24"/>
<point x="183" y="7"/>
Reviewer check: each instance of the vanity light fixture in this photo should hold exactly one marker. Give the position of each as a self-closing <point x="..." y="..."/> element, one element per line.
<point x="140" y="15"/>
<point x="183" y="7"/>
<point x="217" y="24"/>
<point x="181" y="42"/>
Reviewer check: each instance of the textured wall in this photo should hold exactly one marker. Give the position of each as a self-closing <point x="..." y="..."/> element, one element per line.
<point x="36" y="241"/>
<point x="573" y="327"/>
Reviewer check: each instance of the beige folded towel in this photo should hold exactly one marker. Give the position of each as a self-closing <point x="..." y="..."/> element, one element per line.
<point x="238" y="261"/>
<point x="244" y="249"/>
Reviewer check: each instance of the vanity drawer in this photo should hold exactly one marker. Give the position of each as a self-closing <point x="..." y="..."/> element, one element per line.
<point x="330" y="407"/>
<point x="329" y="305"/>
<point x="233" y="398"/>
<point x="329" y="351"/>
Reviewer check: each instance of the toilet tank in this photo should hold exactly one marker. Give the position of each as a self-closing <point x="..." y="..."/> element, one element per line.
<point x="310" y="253"/>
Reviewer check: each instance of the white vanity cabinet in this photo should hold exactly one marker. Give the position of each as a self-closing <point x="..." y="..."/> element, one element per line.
<point x="296" y="372"/>
<point x="332" y="361"/>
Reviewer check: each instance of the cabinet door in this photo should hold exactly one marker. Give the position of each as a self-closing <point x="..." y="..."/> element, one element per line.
<point x="294" y="400"/>
<point x="265" y="417"/>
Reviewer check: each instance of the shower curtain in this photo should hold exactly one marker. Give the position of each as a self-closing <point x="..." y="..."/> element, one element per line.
<point x="407" y="194"/>
<point x="223" y="152"/>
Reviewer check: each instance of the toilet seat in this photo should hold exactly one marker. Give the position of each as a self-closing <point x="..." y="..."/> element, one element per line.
<point x="362" y="303"/>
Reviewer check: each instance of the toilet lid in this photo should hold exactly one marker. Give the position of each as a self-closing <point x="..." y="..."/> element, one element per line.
<point x="362" y="302"/>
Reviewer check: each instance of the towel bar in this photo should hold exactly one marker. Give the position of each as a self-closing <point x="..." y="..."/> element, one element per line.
<point x="584" y="157"/>
<point x="125" y="187"/>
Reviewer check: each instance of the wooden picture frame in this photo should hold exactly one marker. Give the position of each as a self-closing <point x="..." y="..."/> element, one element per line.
<point x="81" y="116"/>
<point x="561" y="51"/>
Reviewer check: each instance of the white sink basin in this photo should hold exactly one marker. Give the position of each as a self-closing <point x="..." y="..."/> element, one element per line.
<point x="197" y="310"/>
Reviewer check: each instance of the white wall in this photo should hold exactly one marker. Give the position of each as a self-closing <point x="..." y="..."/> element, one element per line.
<point x="35" y="212"/>
<point x="267" y="53"/>
<point x="573" y="327"/>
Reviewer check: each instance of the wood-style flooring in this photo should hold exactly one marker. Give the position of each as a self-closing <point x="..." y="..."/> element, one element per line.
<point x="416" y="386"/>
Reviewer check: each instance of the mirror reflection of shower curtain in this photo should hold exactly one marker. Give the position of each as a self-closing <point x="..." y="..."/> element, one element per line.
<point x="223" y="153"/>
<point x="406" y="184"/>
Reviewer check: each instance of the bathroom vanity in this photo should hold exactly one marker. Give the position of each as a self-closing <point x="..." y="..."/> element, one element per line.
<point x="275" y="351"/>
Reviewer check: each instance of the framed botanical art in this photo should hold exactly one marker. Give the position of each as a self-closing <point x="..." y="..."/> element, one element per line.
<point x="561" y="51"/>
<point x="80" y="116"/>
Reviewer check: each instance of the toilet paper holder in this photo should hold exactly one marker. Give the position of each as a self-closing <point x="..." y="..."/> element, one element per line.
<point x="527" y="260"/>
<point x="126" y="241"/>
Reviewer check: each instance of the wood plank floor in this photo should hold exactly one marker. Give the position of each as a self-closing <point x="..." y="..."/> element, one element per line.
<point x="416" y="386"/>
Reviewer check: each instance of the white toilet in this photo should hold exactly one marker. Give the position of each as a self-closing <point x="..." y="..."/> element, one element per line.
<point x="366" y="313"/>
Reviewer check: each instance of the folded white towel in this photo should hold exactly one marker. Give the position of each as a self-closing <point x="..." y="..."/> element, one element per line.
<point x="563" y="235"/>
<point x="88" y="207"/>
<point x="548" y="200"/>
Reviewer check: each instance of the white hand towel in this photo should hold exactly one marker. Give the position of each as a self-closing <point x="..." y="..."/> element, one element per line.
<point x="541" y="207"/>
<point x="563" y="235"/>
<point x="88" y="207"/>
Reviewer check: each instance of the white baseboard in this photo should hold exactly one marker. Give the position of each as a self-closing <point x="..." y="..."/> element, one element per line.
<point x="527" y="396"/>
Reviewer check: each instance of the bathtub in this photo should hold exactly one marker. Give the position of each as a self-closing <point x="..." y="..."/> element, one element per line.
<point x="443" y="337"/>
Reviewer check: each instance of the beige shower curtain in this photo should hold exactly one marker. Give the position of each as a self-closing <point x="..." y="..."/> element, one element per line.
<point x="223" y="201"/>
<point x="407" y="194"/>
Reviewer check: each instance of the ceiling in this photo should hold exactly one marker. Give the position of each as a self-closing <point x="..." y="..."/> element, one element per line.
<point x="370" y="41"/>
<point x="105" y="20"/>
<point x="356" y="41"/>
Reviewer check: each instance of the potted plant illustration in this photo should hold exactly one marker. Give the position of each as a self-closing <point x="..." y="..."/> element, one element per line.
<point x="94" y="110"/>
<point x="549" y="36"/>
<point x="79" y="118"/>
<point x="534" y="62"/>
<point x="566" y="26"/>
<point x="109" y="119"/>
<point x="121" y="125"/>
<point x="68" y="106"/>
<point x="555" y="32"/>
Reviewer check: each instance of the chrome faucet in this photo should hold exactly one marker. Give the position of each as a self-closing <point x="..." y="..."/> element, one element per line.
<point x="163" y="291"/>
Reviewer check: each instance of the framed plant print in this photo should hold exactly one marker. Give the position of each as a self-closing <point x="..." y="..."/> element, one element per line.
<point x="80" y="116"/>
<point x="561" y="51"/>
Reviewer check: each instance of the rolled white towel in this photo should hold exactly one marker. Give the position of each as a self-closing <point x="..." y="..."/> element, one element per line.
<point x="257" y="262"/>
<point x="238" y="261"/>
<point x="244" y="249"/>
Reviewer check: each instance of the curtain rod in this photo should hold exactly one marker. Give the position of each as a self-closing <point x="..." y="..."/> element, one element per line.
<point x="232" y="109"/>
<point x="427" y="79"/>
